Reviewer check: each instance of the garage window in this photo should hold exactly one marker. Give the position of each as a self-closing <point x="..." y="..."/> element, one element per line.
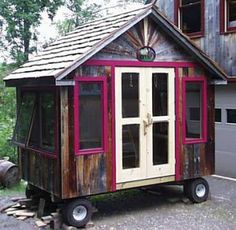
<point x="218" y="115"/>
<point x="231" y="116"/>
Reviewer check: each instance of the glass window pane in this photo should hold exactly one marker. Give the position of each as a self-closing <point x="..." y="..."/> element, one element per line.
<point x="190" y="11"/>
<point x="48" y="121"/>
<point x="232" y="13"/>
<point x="231" y="115"/>
<point x="160" y="94"/>
<point x="130" y="146"/>
<point x="217" y="115"/>
<point x="193" y="110"/>
<point x="24" y="118"/>
<point x="160" y="143"/>
<point x="130" y="95"/>
<point x="90" y="115"/>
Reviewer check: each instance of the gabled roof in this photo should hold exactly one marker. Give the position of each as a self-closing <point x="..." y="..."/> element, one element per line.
<point x="72" y="50"/>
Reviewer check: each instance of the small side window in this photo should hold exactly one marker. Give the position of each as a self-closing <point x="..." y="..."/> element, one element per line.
<point x="218" y="115"/>
<point x="90" y="115"/>
<point x="195" y="110"/>
<point x="231" y="116"/>
<point x="24" y="118"/>
<point x="36" y="121"/>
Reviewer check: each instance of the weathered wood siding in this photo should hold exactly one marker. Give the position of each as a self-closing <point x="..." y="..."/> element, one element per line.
<point x="92" y="174"/>
<point x="220" y="47"/>
<point x="197" y="159"/>
<point x="126" y="46"/>
<point x="84" y="174"/>
<point x="40" y="170"/>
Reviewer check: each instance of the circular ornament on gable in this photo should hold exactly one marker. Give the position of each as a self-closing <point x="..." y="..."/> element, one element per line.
<point x="146" y="54"/>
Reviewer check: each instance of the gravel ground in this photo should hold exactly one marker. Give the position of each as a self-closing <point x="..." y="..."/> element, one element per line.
<point x="162" y="208"/>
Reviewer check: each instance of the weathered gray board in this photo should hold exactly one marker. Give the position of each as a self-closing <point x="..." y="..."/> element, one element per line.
<point x="220" y="47"/>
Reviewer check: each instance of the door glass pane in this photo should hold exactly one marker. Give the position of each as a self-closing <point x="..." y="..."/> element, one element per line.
<point x="90" y="115"/>
<point x="130" y="95"/>
<point x="193" y="110"/>
<point x="130" y="146"/>
<point x="160" y="143"/>
<point x="160" y="94"/>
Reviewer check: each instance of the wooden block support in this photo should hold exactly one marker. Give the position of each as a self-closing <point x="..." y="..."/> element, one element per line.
<point x="41" y="208"/>
<point x="40" y="223"/>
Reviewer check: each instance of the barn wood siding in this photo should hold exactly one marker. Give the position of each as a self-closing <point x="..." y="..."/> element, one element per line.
<point x="220" y="47"/>
<point x="40" y="170"/>
<point x="126" y="46"/>
<point x="83" y="174"/>
<point x="197" y="159"/>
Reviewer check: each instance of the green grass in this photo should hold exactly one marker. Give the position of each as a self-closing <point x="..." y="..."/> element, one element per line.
<point x="19" y="189"/>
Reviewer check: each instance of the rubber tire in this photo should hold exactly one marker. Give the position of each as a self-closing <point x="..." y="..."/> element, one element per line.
<point x="67" y="212"/>
<point x="190" y="190"/>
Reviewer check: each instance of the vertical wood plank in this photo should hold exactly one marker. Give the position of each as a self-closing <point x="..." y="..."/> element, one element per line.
<point x="64" y="108"/>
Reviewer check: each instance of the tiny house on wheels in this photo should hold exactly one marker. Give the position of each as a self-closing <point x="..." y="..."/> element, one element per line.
<point x="121" y="102"/>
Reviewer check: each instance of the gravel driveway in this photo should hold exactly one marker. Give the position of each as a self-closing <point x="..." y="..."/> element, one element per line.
<point x="162" y="208"/>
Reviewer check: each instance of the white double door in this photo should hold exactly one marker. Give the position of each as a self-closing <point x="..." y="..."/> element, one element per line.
<point x="145" y="123"/>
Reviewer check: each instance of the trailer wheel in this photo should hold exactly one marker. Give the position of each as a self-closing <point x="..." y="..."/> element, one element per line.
<point x="197" y="190"/>
<point x="77" y="213"/>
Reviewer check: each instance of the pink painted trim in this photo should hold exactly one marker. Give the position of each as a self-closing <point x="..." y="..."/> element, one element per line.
<point x="113" y="130"/>
<point x="104" y="108"/>
<point x="118" y="63"/>
<point x="43" y="152"/>
<point x="177" y="128"/>
<point x="202" y="81"/>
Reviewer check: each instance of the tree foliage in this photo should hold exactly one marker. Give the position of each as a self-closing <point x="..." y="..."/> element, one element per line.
<point x="19" y="18"/>
<point x="7" y="114"/>
<point x="81" y="12"/>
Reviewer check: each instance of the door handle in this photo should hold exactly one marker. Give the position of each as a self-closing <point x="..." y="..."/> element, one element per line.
<point x="147" y="122"/>
<point x="145" y="126"/>
<point x="149" y="118"/>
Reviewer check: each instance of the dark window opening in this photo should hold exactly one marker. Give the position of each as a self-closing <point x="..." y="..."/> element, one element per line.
<point x="35" y="125"/>
<point x="90" y="115"/>
<point x="231" y="116"/>
<point x="191" y="16"/>
<point x="231" y="8"/>
<point x="24" y="118"/>
<point x="130" y="146"/>
<point x="193" y="110"/>
<point x="218" y="115"/>
<point x="130" y="95"/>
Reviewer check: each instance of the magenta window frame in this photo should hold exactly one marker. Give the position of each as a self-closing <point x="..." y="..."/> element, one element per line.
<point x="177" y="13"/>
<point x="104" y="109"/>
<point x="203" y="83"/>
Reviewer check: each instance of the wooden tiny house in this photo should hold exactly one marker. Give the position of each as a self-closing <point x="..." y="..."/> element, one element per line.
<point x="121" y="102"/>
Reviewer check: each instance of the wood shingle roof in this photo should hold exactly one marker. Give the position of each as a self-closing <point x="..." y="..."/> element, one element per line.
<point x="76" y="47"/>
